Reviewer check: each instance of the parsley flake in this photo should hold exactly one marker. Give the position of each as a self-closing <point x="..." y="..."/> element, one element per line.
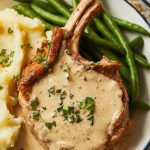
<point x="70" y="113"/>
<point x="51" y="91"/>
<point x="71" y="96"/>
<point x="63" y="96"/>
<point x="12" y="54"/>
<point x="6" y="59"/>
<point x="17" y="77"/>
<point x="43" y="59"/>
<point x="44" y="108"/>
<point x="49" y="44"/>
<point x="36" y="115"/>
<point x="38" y="50"/>
<point x="66" y="70"/>
<point x="58" y="90"/>
<point x="26" y="46"/>
<point x="89" y="104"/>
<point x="34" y="103"/>
<point x="67" y="52"/>
<point x="10" y="31"/>
<point x="1" y="87"/>
<point x="39" y="59"/>
<point x="50" y="125"/>
<point x="85" y="78"/>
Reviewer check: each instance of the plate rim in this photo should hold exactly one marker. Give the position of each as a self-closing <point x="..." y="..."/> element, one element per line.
<point x="146" y="3"/>
<point x="146" y="21"/>
<point x="142" y="16"/>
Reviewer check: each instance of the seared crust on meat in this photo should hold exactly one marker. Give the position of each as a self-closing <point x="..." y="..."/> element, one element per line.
<point x="44" y="59"/>
<point x="72" y="33"/>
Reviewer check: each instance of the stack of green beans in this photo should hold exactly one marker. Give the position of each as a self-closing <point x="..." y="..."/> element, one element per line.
<point x="109" y="41"/>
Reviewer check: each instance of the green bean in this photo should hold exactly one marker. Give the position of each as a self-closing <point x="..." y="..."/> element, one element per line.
<point x="139" y="58"/>
<point x="103" y="42"/>
<point x="48" y="16"/>
<point x="141" y="61"/>
<point x="91" y="32"/>
<point x="44" y="6"/>
<point x="129" y="55"/>
<point x="137" y="43"/>
<point x="131" y="26"/>
<point x="30" y="13"/>
<point x="57" y="21"/>
<point x="140" y="105"/>
<point x="60" y="7"/>
<point x="96" y="39"/>
<point x="93" y="37"/>
<point x="104" y="31"/>
<point x="43" y="12"/>
<point x="74" y="3"/>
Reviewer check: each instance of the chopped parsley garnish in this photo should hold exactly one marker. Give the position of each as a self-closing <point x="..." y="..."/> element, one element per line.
<point x="67" y="52"/>
<point x="36" y="115"/>
<point x="38" y="50"/>
<point x="58" y="90"/>
<point x="39" y="59"/>
<point x="66" y="70"/>
<point x="10" y="31"/>
<point x="26" y="46"/>
<point x="49" y="44"/>
<point x="34" y="103"/>
<point x="63" y="96"/>
<point x="1" y="87"/>
<point x="89" y="104"/>
<point x="43" y="59"/>
<point x="12" y="53"/>
<point x="44" y="108"/>
<point x="50" y="125"/>
<point x="17" y="77"/>
<point x="71" y="96"/>
<point x="70" y="113"/>
<point x="5" y="59"/>
<point x="90" y="117"/>
<point x="46" y="64"/>
<point x="85" y="78"/>
<point x="51" y="91"/>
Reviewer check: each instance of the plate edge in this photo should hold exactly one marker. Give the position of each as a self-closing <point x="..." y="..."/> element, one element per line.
<point x="146" y="21"/>
<point x="143" y="17"/>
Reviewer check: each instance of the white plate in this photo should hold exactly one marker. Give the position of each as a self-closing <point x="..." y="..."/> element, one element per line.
<point x="122" y="9"/>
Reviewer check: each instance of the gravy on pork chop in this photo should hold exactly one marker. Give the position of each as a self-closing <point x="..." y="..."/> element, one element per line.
<point x="79" y="104"/>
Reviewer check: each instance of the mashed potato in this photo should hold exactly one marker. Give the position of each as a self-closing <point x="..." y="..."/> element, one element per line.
<point x="19" y="39"/>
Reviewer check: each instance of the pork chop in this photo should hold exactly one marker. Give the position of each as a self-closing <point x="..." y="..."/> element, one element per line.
<point x="70" y="103"/>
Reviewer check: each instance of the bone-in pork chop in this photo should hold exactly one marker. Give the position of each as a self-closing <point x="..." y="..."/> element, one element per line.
<point x="70" y="103"/>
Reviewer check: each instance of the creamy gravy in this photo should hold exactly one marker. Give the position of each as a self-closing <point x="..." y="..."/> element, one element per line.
<point x="27" y="141"/>
<point x="76" y="136"/>
<point x="66" y="135"/>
